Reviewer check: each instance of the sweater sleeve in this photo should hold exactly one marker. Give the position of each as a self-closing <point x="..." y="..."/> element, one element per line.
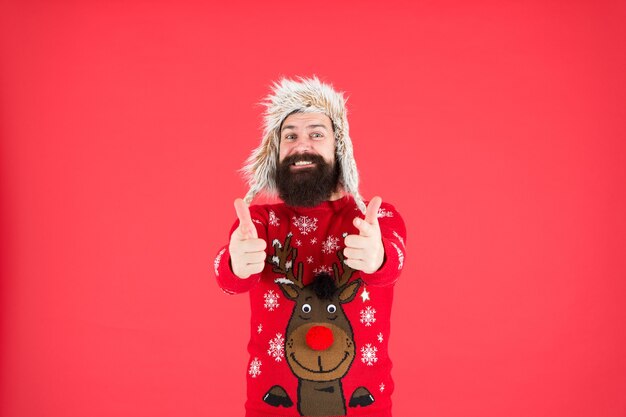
<point x="393" y="232"/>
<point x="226" y="279"/>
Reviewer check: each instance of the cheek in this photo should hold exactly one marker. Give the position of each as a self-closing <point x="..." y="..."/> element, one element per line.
<point x="283" y="151"/>
<point x="328" y="152"/>
<point x="329" y="145"/>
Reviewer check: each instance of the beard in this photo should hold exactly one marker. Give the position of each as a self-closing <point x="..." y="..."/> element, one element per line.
<point x="306" y="187"/>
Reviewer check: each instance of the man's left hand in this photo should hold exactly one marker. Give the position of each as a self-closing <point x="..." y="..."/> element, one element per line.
<point x="365" y="251"/>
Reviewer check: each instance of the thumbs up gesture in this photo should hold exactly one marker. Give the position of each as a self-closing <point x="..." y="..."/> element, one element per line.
<point x="247" y="251"/>
<point x="365" y="251"/>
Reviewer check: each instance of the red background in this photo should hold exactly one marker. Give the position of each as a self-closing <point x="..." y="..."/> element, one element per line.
<point x="497" y="128"/>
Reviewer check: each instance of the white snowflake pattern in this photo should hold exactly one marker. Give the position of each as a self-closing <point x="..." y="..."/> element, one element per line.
<point x="271" y="300"/>
<point x="274" y="221"/>
<point x="259" y="329"/>
<point x="330" y="245"/>
<point x="313" y="241"/>
<point x="277" y="347"/>
<point x="323" y="268"/>
<point x="216" y="263"/>
<point x="400" y="256"/>
<point x="384" y="213"/>
<point x="368" y="354"/>
<point x="255" y="368"/>
<point x="399" y="238"/>
<point x="305" y="224"/>
<point x="380" y="337"/>
<point x="368" y="316"/>
<point x="258" y="222"/>
<point x="381" y="387"/>
<point x="298" y="242"/>
<point x="309" y="259"/>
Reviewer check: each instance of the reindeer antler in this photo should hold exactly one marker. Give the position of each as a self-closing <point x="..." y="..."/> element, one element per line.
<point x="283" y="259"/>
<point x="347" y="271"/>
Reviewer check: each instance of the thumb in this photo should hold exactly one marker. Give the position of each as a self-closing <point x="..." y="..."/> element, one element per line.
<point x="246" y="227"/>
<point x="371" y="213"/>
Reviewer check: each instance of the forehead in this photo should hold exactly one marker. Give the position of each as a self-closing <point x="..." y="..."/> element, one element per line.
<point x="302" y="120"/>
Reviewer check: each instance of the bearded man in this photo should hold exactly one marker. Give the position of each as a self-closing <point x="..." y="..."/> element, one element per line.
<point x="320" y="277"/>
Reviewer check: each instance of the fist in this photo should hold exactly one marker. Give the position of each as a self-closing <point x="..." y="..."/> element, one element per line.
<point x="247" y="251"/>
<point x="365" y="251"/>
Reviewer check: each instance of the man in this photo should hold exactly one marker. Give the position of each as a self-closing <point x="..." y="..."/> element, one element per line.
<point x="320" y="276"/>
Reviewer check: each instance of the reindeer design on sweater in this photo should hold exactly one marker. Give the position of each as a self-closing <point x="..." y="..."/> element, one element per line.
<point x="319" y="341"/>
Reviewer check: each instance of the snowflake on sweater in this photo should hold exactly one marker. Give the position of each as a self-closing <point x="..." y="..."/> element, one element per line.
<point x="368" y="316"/>
<point x="400" y="256"/>
<point x="381" y="387"/>
<point x="330" y="245"/>
<point x="305" y="224"/>
<point x="216" y="263"/>
<point x="277" y="346"/>
<point x="273" y="219"/>
<point x="309" y="259"/>
<point x="399" y="238"/>
<point x="255" y="368"/>
<point x="298" y="242"/>
<point x="259" y="329"/>
<point x="271" y="300"/>
<point x="323" y="268"/>
<point x="368" y="354"/>
<point x="384" y="213"/>
<point x="380" y="337"/>
<point x="313" y="241"/>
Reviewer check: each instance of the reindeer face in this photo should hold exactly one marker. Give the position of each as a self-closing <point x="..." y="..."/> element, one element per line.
<point x="319" y="342"/>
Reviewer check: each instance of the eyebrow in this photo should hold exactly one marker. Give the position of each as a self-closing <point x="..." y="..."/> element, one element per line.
<point x="307" y="127"/>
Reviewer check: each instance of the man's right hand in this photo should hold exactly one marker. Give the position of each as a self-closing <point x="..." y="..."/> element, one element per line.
<point x="247" y="251"/>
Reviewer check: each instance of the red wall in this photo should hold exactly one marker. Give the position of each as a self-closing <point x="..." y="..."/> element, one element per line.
<point x="497" y="128"/>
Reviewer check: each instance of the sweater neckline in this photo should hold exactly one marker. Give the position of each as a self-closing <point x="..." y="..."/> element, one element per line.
<point x="335" y="205"/>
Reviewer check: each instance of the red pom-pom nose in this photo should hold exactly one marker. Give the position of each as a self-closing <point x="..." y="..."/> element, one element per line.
<point x="319" y="338"/>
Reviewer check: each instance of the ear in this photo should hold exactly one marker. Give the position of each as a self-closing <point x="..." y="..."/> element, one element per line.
<point x="348" y="292"/>
<point x="289" y="289"/>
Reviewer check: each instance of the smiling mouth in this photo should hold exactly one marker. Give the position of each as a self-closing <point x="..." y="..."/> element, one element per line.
<point x="321" y="371"/>
<point x="302" y="164"/>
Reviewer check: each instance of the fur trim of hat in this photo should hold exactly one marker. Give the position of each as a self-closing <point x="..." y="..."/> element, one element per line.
<point x="306" y="95"/>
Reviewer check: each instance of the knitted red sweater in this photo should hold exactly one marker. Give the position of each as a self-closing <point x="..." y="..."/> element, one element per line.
<point x="318" y="347"/>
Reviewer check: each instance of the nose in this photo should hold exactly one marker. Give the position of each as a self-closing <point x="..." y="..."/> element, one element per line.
<point x="319" y="338"/>
<point x="302" y="145"/>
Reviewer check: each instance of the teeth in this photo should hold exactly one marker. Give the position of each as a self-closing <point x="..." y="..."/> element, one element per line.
<point x="302" y="163"/>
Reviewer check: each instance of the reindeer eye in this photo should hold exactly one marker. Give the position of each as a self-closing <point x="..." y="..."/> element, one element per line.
<point x="306" y="308"/>
<point x="331" y="308"/>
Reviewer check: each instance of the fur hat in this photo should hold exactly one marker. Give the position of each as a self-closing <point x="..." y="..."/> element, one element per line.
<point x="307" y="95"/>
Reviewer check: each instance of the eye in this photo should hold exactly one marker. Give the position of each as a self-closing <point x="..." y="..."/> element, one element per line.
<point x="317" y="135"/>
<point x="331" y="308"/>
<point x="289" y="137"/>
<point x="306" y="308"/>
